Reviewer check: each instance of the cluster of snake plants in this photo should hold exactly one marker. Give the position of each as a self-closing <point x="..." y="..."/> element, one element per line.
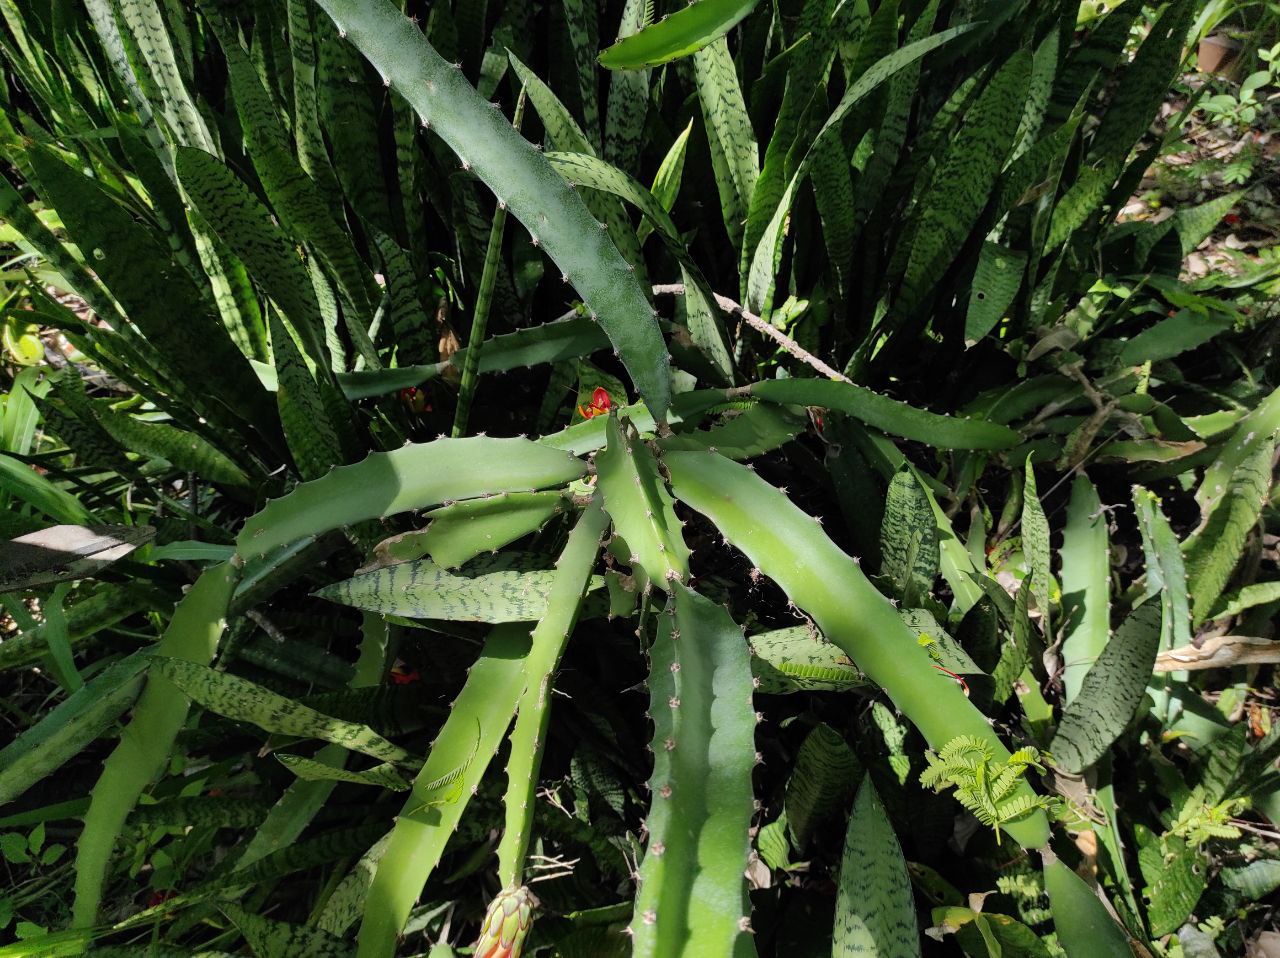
<point x="624" y="478"/>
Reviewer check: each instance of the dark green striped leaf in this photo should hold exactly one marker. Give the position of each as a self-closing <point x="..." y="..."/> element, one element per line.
<point x="875" y="913"/>
<point x="1111" y="692"/>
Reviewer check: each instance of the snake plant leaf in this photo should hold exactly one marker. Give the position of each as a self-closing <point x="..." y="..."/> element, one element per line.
<point x="422" y="590"/>
<point x="693" y="896"/>
<point x="64" y="552"/>
<point x="486" y="143"/>
<point x="181" y="448"/>
<point x="1143" y="85"/>
<point x="1035" y="544"/>
<point x="70" y="727"/>
<point x="680" y="34"/>
<point x="243" y="701"/>
<point x="1175" y="874"/>
<point x="309" y="770"/>
<point x="967" y="170"/>
<point x="1111" y="692"/>
<point x="735" y="159"/>
<point x="888" y="415"/>
<point x="249" y="230"/>
<point x="798" y="659"/>
<point x="215" y="811"/>
<point x="412" y="477"/>
<point x="995" y="286"/>
<point x="312" y="440"/>
<point x="908" y="540"/>
<point x="875" y="913"/>
<point x="25" y="484"/>
<point x="154" y="292"/>
<point x="269" y="938"/>
<point x="99" y="610"/>
<point x="628" y="100"/>
<point x="766" y="257"/>
<point x="825" y="775"/>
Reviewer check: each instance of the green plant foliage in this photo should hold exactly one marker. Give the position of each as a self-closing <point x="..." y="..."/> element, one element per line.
<point x="875" y="357"/>
<point x="678" y="35"/>
<point x="875" y="912"/>
<point x="825" y="775"/>
<point x="983" y="785"/>
<point x="693" y="897"/>
<point x="1110" y="693"/>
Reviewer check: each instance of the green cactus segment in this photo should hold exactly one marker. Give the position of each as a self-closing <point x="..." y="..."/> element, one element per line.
<point x="820" y="578"/>
<point x="875" y="912"/>
<point x="506" y="924"/>
<point x="1167" y="578"/>
<point x="747" y="434"/>
<point x="422" y="590"/>
<point x="693" y="898"/>
<point x="888" y="415"/>
<point x="681" y="34"/>
<point x="798" y="659"/>
<point x="908" y="539"/>
<point x="486" y="143"/>
<point x="469" y="739"/>
<point x="1111" y="692"/>
<point x="463" y="530"/>
<point x="824" y="777"/>
<point x="1213" y="550"/>
<point x="564" y="601"/>
<point x="146" y="742"/>
<point x="243" y="701"/>
<point x="412" y="477"/>
<point x="1085" y="928"/>
<point x="640" y="506"/>
<point x="70" y="727"/>
<point x="1086" y="584"/>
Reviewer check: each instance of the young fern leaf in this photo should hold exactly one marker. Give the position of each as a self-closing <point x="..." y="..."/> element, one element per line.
<point x="984" y="785"/>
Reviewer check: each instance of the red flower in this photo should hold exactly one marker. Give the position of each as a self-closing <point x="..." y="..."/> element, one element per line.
<point x="600" y="404"/>
<point x="159" y="898"/>
<point x="415" y="400"/>
<point x="401" y="675"/>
